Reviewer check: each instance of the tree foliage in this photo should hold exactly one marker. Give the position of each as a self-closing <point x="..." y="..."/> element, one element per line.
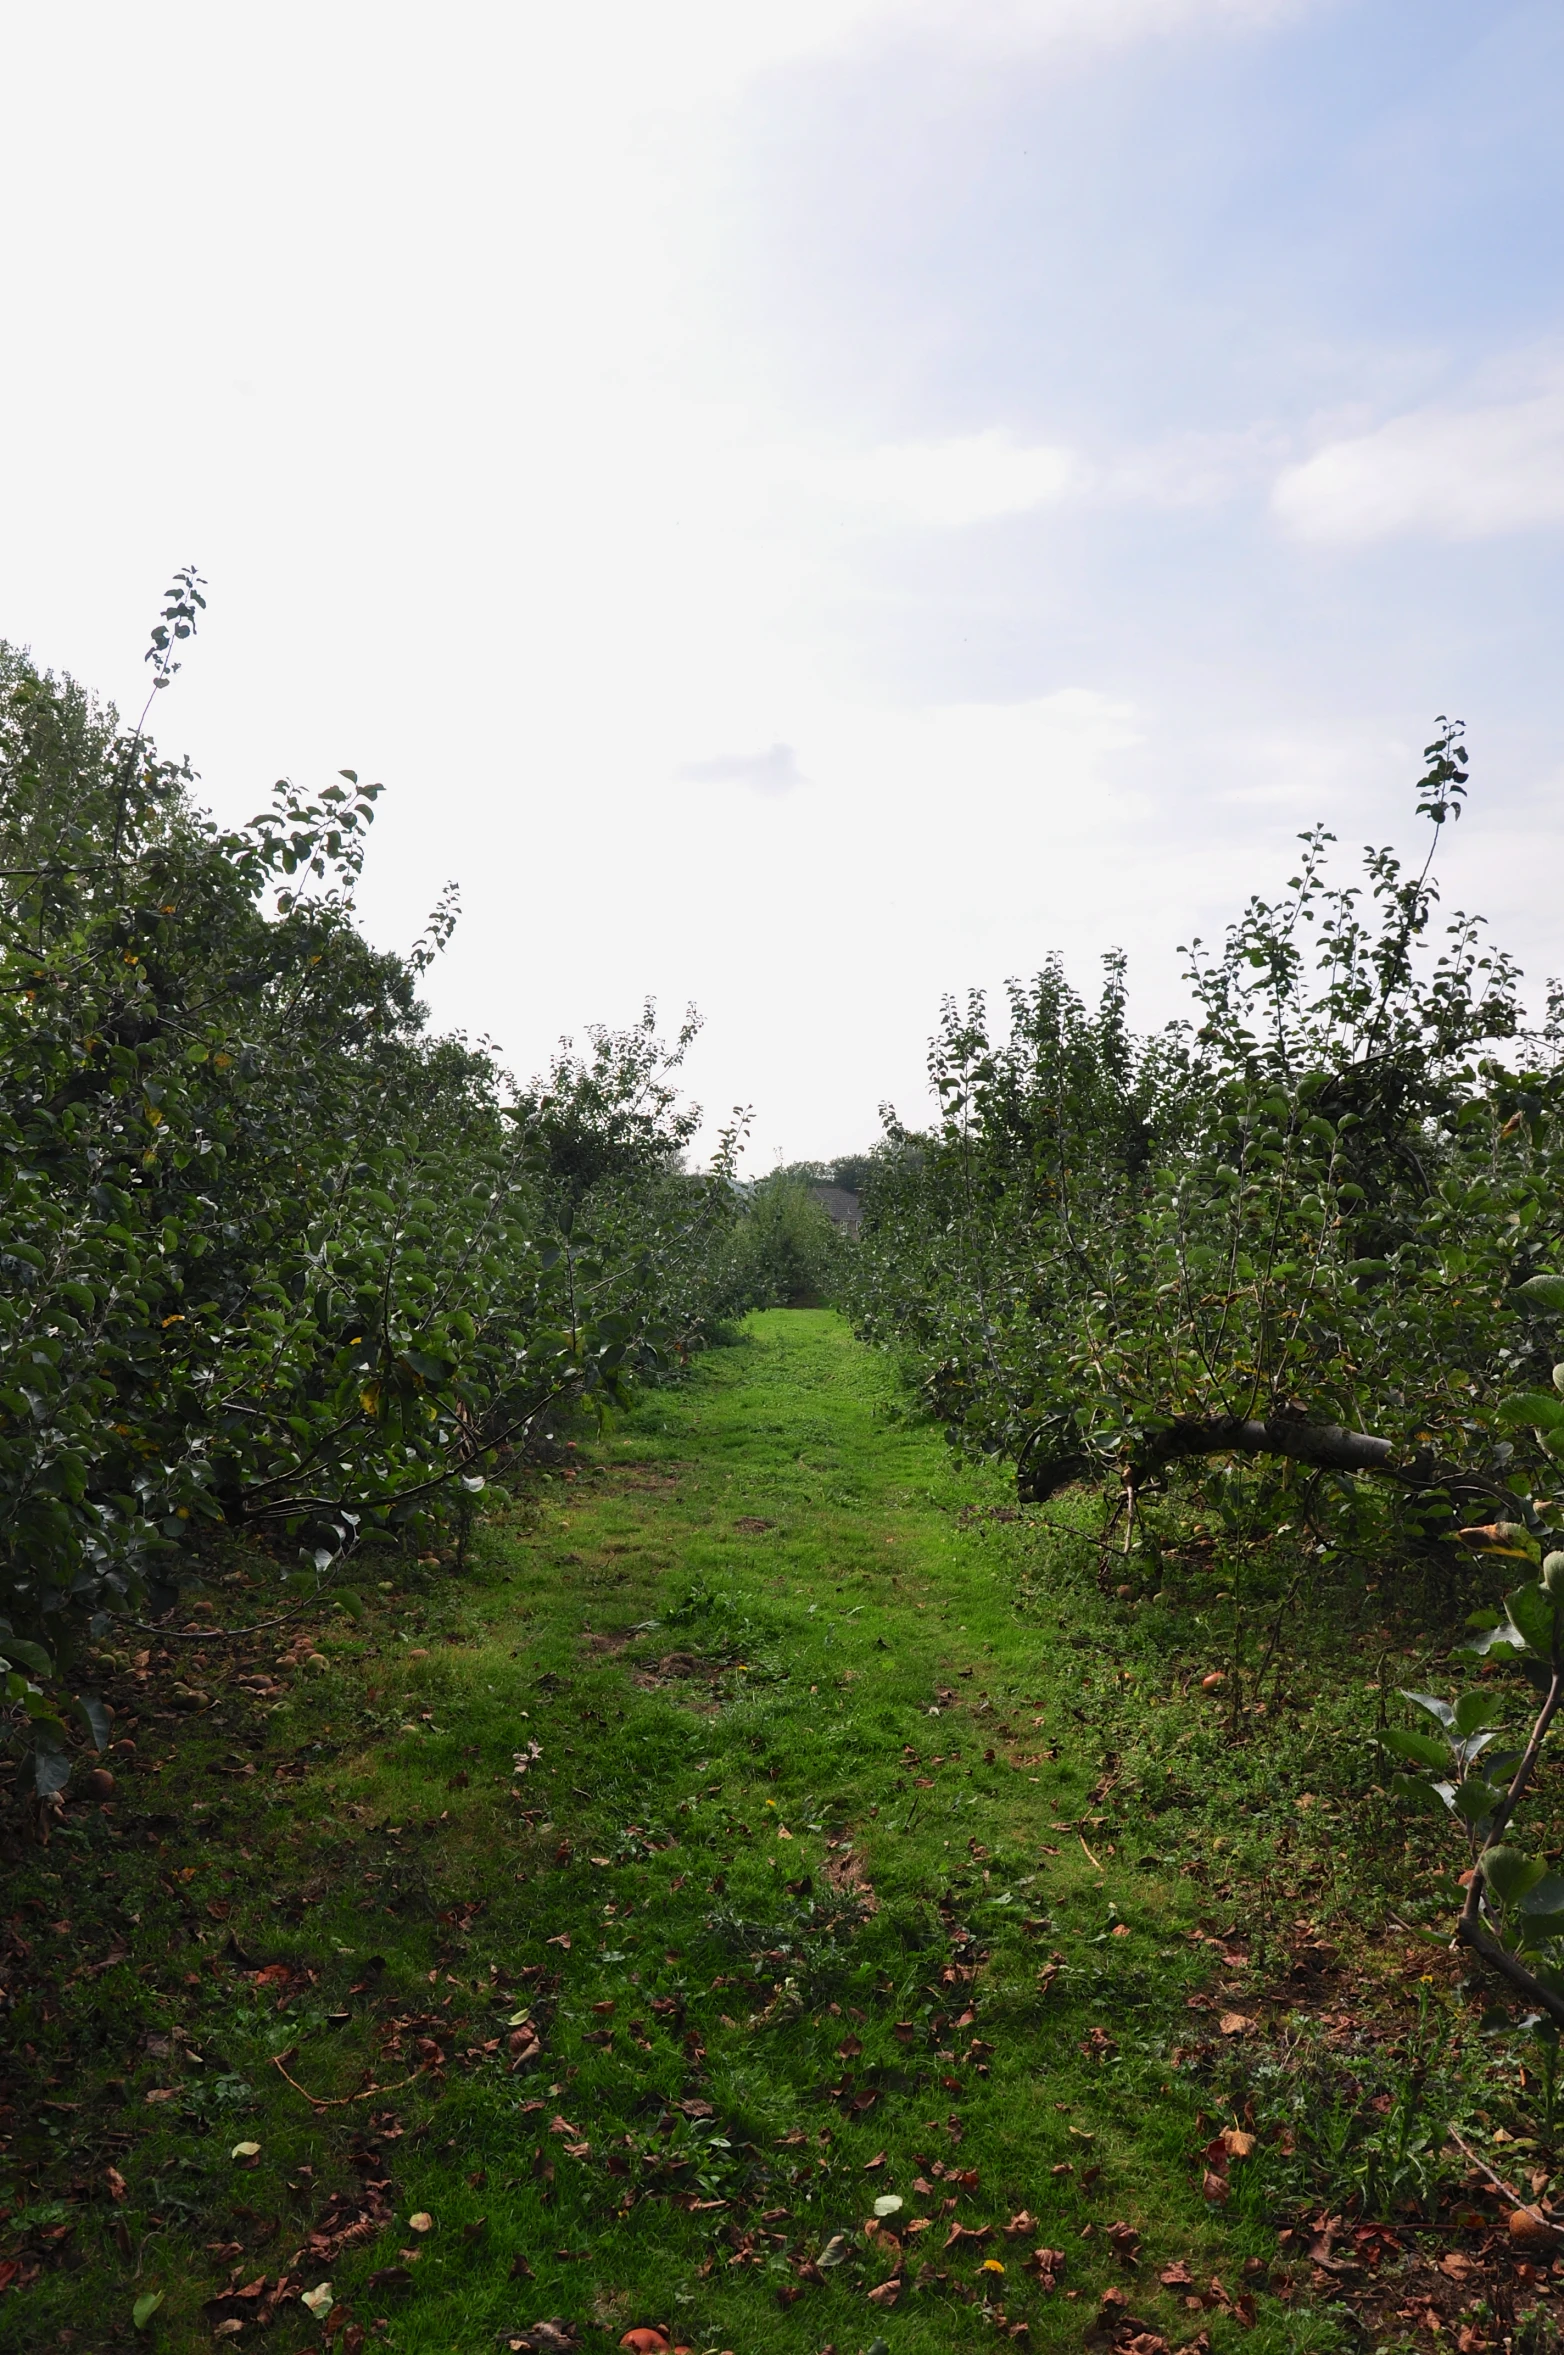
<point x="274" y="1257"/>
<point x="1287" y="1225"/>
<point x="784" y="1251"/>
<point x="1321" y="1226"/>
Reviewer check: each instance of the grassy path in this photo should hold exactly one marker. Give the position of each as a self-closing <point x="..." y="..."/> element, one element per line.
<point x="802" y="1906"/>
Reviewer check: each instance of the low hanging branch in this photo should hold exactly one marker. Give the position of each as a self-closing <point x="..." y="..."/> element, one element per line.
<point x="1324" y="1445"/>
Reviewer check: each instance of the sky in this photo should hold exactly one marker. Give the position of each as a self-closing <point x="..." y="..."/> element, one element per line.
<point x="807" y="505"/>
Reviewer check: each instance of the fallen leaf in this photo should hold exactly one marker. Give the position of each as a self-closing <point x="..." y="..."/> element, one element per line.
<point x="245" y="2150"/>
<point x="1176" y="2276"/>
<point x="319" y="2301"/>
<point x="1216" y="2187"/>
<point x="888" y="2292"/>
<point x="163" y="2093"/>
<point x="1239" y="2144"/>
<point x="1234" y="2023"/>
<point x="116" y="2183"/>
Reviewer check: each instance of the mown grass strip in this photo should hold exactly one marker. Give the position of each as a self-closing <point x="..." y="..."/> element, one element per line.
<point x="601" y="1937"/>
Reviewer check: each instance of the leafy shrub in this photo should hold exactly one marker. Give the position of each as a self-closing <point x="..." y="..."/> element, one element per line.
<point x="1322" y="1228"/>
<point x="784" y="1251"/>
<point x="1287" y="1233"/>
<point x="275" y="1258"/>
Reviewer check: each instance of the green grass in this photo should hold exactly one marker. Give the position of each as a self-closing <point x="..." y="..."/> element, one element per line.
<point x="785" y="1898"/>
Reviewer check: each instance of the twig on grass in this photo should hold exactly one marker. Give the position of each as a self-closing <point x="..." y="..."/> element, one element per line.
<point x="1067" y="1529"/>
<point x="1276" y="1636"/>
<point x="1499" y="2183"/>
<point x="217" y="1635"/>
<point x="318" y="2101"/>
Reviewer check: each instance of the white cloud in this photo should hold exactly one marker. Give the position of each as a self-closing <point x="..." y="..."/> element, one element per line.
<point x="775" y="771"/>
<point x="969" y="479"/>
<point x="721" y="44"/>
<point x="1454" y="474"/>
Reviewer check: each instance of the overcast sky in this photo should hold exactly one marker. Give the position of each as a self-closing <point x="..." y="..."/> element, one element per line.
<point x="807" y="504"/>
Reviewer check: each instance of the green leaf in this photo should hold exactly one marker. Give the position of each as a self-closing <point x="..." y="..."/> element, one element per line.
<point x="1429" y="1701"/>
<point x="51" y="1770"/>
<point x="1509" y="1873"/>
<point x="1545" y="1896"/>
<point x="94" y="1717"/>
<point x="1475" y="1800"/>
<point x="1537" y="1408"/>
<point x="350" y="1602"/>
<point x="1432" y="1798"/>
<point x="1474" y="1710"/>
<point x="146" y="2306"/>
<point x="1500" y="1636"/>
<point x="1422" y="1749"/>
<point x="1542" y="1291"/>
<point x="28" y="1655"/>
<point x="1535" y="1614"/>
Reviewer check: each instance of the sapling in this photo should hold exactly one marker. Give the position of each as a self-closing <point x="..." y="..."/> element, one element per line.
<point x="1512" y="1917"/>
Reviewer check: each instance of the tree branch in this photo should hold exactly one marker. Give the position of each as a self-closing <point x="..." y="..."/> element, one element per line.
<point x="1325" y="1445"/>
<point x="1469" y="1929"/>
